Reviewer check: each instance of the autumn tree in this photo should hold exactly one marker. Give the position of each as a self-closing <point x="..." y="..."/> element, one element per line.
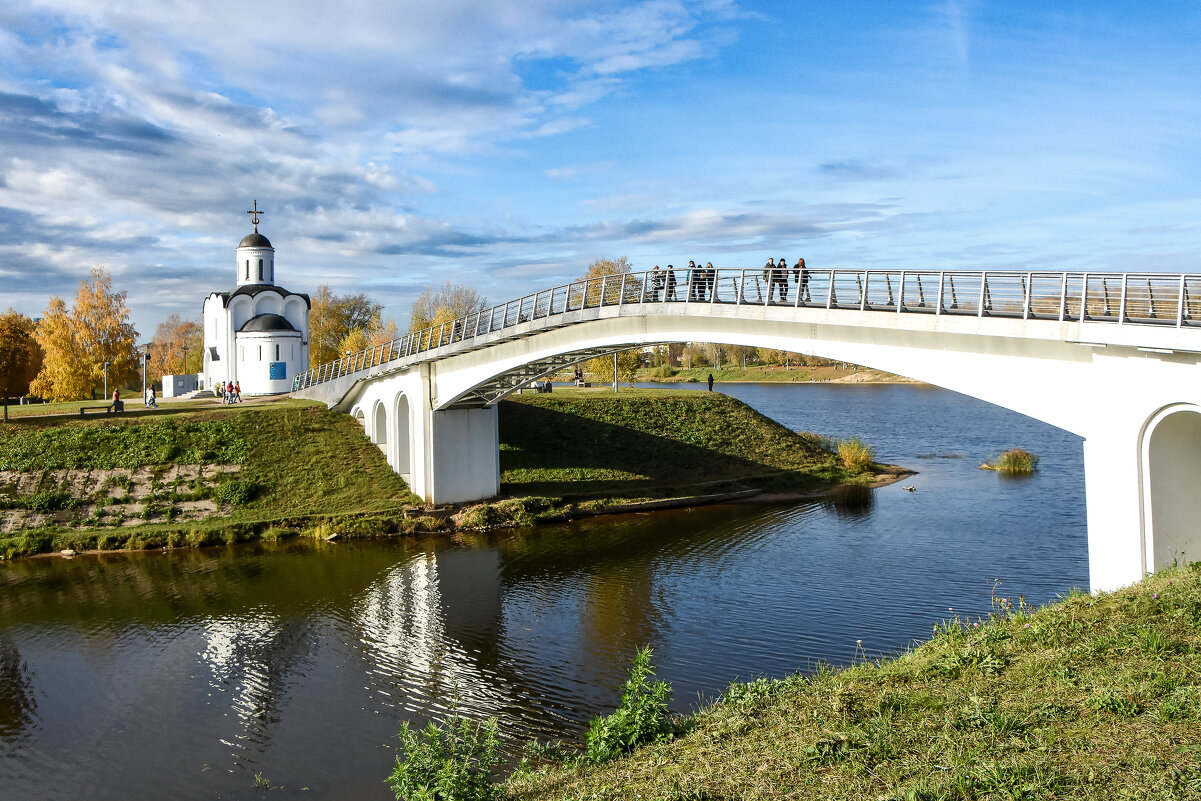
<point x="20" y="356"/>
<point x="448" y="302"/>
<point x="177" y="344"/>
<point x="628" y="361"/>
<point x="77" y="343"/>
<point x="64" y="374"/>
<point x="332" y="318"/>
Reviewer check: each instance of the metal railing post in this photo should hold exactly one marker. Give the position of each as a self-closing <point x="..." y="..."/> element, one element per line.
<point x="983" y="289"/>
<point x="938" y="308"/>
<point x="1027" y="285"/>
<point x="900" y="294"/>
<point x="1063" y="297"/>
<point x="863" y="286"/>
<point x="1122" y="299"/>
<point x="1182" y="299"/>
<point x="830" y="292"/>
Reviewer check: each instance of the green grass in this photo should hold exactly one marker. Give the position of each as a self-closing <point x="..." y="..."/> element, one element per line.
<point x="306" y="470"/>
<point x="647" y="443"/>
<point x="303" y="469"/>
<point x="1095" y="697"/>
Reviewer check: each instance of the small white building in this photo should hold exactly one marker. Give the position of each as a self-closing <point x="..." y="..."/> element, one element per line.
<point x="256" y="335"/>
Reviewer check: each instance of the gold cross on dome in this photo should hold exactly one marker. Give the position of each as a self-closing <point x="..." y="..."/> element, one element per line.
<point x="254" y="218"/>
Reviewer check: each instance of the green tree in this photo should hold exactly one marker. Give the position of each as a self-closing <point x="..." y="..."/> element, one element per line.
<point x="20" y="356"/>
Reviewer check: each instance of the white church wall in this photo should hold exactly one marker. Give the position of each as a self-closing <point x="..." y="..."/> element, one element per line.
<point x="296" y="312"/>
<point x="241" y="309"/>
<point x="268" y="303"/>
<point x="265" y="362"/>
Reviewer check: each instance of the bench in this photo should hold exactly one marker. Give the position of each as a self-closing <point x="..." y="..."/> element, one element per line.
<point x="120" y="407"/>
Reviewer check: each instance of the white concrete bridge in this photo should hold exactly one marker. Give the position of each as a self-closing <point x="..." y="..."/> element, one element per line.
<point x="1110" y="357"/>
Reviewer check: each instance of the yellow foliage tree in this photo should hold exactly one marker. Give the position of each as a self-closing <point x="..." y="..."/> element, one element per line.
<point x="628" y="361"/>
<point x="64" y="374"/>
<point x="176" y="346"/>
<point x="76" y="344"/>
<point x="448" y="302"/>
<point x="332" y="318"/>
<point x="20" y="356"/>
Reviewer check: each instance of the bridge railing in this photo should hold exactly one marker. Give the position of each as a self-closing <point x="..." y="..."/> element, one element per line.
<point x="1122" y="298"/>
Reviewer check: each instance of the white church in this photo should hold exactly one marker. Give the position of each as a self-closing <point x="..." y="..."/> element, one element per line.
<point x="258" y="334"/>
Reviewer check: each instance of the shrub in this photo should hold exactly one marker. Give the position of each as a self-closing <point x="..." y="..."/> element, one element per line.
<point x="1015" y="461"/>
<point x="855" y="454"/>
<point x="236" y="491"/>
<point x="49" y="501"/>
<point x="664" y="371"/>
<point x="640" y="719"/>
<point x="451" y="762"/>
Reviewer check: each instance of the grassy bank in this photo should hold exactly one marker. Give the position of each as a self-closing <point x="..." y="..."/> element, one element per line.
<point x="273" y="470"/>
<point x="1091" y="698"/>
<point x="220" y="474"/>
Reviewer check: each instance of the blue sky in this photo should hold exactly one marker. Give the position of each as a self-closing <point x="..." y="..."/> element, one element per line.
<point x="399" y="144"/>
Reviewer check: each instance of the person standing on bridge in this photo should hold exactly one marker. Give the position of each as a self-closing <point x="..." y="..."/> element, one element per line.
<point x="802" y="277"/>
<point x="710" y="279"/>
<point x="656" y="283"/>
<point x="671" y="284"/>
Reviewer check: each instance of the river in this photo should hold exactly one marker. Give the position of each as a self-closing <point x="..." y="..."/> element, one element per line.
<point x="190" y="674"/>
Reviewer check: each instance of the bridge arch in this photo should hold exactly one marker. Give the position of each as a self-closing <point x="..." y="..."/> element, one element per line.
<point x="402" y="455"/>
<point x="379" y="426"/>
<point x="1170" y="475"/>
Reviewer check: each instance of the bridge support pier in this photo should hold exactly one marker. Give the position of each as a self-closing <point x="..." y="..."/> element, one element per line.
<point x="462" y="448"/>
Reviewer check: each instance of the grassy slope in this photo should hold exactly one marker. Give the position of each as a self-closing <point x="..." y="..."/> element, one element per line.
<point x="308" y="465"/>
<point x="1093" y="698"/>
<point x="293" y="452"/>
<point x="652" y="443"/>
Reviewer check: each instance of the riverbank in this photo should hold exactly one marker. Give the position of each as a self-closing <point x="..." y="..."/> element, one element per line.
<point x="224" y="474"/>
<point x="1095" y="697"/>
<point x="775" y="374"/>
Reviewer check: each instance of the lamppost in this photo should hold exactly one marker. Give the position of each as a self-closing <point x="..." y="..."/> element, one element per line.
<point x="106" y="379"/>
<point x="145" y="359"/>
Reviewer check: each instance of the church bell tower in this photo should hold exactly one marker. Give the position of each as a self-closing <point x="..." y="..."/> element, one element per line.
<point x="255" y="259"/>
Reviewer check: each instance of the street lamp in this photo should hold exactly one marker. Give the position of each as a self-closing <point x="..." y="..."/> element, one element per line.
<point x="145" y="359"/>
<point x="106" y="379"/>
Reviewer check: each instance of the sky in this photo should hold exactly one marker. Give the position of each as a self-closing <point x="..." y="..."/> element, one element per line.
<point x="398" y="144"/>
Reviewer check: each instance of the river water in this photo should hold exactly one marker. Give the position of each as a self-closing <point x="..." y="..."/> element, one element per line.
<point x="189" y="674"/>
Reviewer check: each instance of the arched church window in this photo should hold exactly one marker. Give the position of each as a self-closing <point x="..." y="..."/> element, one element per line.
<point x="248" y="269"/>
<point x="260" y="269"/>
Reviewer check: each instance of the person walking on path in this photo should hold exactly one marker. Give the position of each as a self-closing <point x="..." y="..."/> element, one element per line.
<point x="710" y="382"/>
<point x="150" y="402"/>
<point x="237" y="392"/>
<point x="116" y="405"/>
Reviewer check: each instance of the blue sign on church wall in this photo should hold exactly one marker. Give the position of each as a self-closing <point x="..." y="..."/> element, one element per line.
<point x="279" y="371"/>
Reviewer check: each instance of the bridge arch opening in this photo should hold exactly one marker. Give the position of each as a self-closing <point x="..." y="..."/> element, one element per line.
<point x="1171" y="472"/>
<point x="403" y="441"/>
<point x="379" y="426"/>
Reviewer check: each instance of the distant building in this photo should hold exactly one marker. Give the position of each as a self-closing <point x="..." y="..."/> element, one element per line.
<point x="258" y="333"/>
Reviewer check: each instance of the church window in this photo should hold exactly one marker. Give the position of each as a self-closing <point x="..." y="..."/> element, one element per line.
<point x="248" y="269"/>
<point x="260" y="269"/>
<point x="277" y="352"/>
<point x="260" y="353"/>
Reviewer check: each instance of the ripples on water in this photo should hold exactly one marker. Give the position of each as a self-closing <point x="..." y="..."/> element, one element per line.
<point x="182" y="675"/>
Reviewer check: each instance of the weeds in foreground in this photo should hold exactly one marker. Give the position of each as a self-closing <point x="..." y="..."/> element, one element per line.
<point x="453" y="761"/>
<point x="640" y="719"/>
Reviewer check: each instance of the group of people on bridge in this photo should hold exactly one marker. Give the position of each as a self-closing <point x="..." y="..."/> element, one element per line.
<point x="700" y="282"/>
